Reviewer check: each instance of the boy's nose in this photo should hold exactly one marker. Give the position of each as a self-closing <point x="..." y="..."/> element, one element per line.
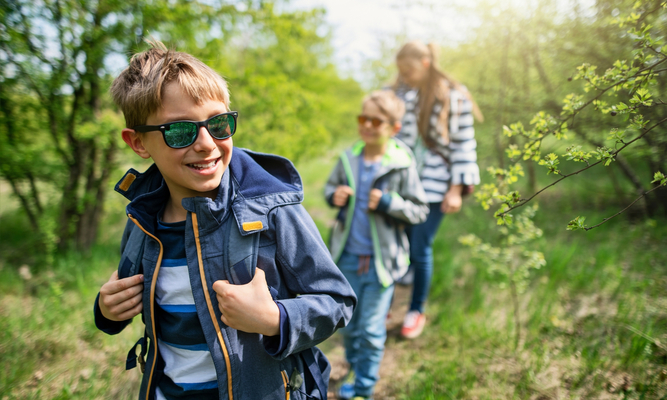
<point x="204" y="140"/>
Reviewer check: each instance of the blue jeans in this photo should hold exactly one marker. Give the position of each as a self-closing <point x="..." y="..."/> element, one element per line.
<point x="365" y="335"/>
<point x="421" y="255"/>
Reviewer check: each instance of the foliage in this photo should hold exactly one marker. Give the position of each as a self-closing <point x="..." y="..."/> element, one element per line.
<point x="60" y="133"/>
<point x="628" y="90"/>
<point x="510" y="260"/>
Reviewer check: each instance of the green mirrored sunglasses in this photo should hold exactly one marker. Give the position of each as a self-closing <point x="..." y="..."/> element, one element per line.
<point x="179" y="134"/>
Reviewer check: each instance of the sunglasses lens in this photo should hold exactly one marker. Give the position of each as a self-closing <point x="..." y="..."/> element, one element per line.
<point x="180" y="134"/>
<point x="222" y="126"/>
<point x="376" y="122"/>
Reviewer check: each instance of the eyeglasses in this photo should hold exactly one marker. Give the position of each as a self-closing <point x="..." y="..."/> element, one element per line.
<point x="375" y="121"/>
<point x="179" y="134"/>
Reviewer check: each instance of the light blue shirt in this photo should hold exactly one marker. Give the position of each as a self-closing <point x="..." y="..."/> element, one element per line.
<point x="359" y="241"/>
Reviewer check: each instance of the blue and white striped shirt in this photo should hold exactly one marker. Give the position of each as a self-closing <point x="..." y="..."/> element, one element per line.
<point x="458" y="164"/>
<point x="188" y="367"/>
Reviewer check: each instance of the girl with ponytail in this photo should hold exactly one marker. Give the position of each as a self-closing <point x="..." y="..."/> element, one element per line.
<point x="438" y="127"/>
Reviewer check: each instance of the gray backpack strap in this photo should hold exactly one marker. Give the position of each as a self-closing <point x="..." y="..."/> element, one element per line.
<point x="130" y="263"/>
<point x="242" y="254"/>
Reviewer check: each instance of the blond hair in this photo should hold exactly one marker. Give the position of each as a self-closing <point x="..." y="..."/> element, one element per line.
<point x="436" y="87"/>
<point x="138" y="90"/>
<point x="388" y="103"/>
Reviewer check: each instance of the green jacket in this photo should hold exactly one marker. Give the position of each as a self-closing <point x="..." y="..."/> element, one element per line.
<point x="403" y="203"/>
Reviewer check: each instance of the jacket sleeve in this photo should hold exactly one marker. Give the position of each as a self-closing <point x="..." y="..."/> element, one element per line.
<point x="106" y="325"/>
<point x="336" y="179"/>
<point x="462" y="144"/>
<point x="325" y="300"/>
<point x="408" y="202"/>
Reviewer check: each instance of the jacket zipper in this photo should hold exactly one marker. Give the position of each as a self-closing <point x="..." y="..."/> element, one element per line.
<point x="383" y="275"/>
<point x="152" y="307"/>
<point x="195" y="228"/>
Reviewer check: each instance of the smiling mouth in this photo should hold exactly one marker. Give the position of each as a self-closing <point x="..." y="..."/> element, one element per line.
<point x="204" y="166"/>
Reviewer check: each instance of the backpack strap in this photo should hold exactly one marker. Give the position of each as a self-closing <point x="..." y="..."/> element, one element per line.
<point x="131" y="265"/>
<point x="314" y="369"/>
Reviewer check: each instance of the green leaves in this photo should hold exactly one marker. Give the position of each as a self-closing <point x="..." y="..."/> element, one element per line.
<point x="575" y="153"/>
<point x="577" y="223"/>
<point x="551" y="162"/>
<point x="660" y="179"/>
<point x="605" y="154"/>
<point x="611" y="112"/>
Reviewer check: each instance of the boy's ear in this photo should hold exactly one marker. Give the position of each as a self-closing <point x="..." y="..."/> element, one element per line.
<point x="135" y="141"/>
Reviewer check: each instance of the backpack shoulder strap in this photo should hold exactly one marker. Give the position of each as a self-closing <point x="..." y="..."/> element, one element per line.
<point x="133" y="252"/>
<point x="242" y="252"/>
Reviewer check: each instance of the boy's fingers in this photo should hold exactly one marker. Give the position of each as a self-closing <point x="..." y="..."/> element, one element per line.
<point x="126" y="283"/>
<point x="128" y="305"/>
<point x="132" y="312"/>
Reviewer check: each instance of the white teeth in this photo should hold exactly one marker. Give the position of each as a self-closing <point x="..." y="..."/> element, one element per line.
<point x="204" y="166"/>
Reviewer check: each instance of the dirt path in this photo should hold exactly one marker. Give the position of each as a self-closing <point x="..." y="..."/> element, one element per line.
<point x="391" y="372"/>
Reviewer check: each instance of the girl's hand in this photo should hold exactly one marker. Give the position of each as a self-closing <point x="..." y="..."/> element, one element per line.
<point x="452" y="201"/>
<point x="341" y="195"/>
<point x="120" y="299"/>
<point x="374" y="199"/>
<point x="250" y="307"/>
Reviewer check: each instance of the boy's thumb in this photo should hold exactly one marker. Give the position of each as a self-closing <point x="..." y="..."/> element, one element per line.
<point x="219" y="286"/>
<point x="260" y="276"/>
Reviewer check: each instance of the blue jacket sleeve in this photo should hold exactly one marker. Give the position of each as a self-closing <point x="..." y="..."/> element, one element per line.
<point x="325" y="300"/>
<point x="106" y="325"/>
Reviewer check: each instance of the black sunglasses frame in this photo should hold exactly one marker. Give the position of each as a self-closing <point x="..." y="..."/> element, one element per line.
<point x="164" y="127"/>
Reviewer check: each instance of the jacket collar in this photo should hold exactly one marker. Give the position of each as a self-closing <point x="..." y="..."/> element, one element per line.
<point x="398" y="155"/>
<point x="254" y="183"/>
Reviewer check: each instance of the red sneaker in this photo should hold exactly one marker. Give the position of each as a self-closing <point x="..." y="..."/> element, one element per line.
<point x="413" y="324"/>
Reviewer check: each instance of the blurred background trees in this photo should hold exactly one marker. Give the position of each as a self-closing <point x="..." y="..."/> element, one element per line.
<point x="590" y="323"/>
<point x="60" y="133"/>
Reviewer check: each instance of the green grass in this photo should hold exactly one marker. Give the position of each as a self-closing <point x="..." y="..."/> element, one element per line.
<point x="594" y="319"/>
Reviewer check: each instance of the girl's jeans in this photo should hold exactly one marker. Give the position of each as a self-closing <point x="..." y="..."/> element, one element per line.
<point x="421" y="255"/>
<point x="365" y="335"/>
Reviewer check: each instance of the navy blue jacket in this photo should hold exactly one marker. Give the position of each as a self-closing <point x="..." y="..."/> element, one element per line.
<point x="265" y="193"/>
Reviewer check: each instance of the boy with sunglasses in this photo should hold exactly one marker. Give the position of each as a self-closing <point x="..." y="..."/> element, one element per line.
<point x="230" y="274"/>
<point x="376" y="185"/>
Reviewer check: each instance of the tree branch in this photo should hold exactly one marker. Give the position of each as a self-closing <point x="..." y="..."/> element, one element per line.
<point x="523" y="202"/>
<point x="588" y="228"/>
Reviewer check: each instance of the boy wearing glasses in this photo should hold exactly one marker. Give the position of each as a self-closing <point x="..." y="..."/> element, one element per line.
<point x="230" y="274"/>
<point x="376" y="186"/>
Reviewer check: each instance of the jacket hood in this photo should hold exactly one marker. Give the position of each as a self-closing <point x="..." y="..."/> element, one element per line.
<point x="255" y="183"/>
